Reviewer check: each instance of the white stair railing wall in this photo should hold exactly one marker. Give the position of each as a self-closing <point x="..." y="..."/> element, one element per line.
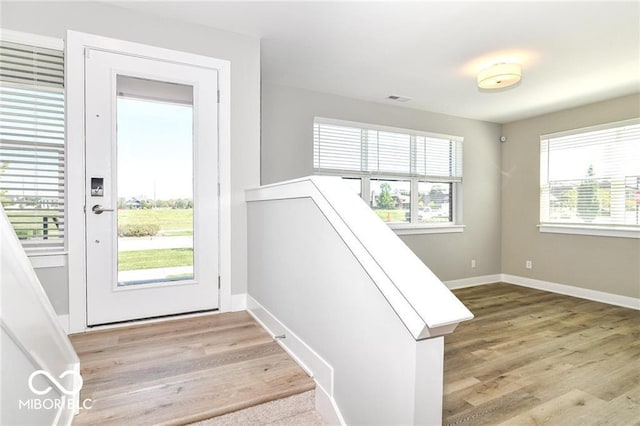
<point x="36" y="353"/>
<point x="359" y="310"/>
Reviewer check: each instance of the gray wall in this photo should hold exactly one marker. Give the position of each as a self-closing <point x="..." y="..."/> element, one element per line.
<point x="605" y="264"/>
<point x="54" y="18"/>
<point x="55" y="283"/>
<point x="287" y="153"/>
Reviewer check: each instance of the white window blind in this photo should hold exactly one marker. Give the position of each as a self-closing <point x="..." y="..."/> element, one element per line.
<point x="32" y="149"/>
<point x="591" y="176"/>
<point x="343" y="148"/>
<point x="439" y="159"/>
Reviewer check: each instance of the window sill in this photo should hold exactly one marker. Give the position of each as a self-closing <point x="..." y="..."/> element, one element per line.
<point x="411" y="229"/>
<point x="599" y="231"/>
<point x="49" y="260"/>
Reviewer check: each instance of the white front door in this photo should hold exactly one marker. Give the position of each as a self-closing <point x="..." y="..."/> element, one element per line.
<point x="151" y="152"/>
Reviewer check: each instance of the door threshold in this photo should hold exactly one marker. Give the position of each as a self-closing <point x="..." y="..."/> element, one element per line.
<point x="151" y="320"/>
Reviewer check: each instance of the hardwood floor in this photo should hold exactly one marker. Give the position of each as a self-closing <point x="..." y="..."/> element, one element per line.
<point x="530" y="358"/>
<point x="182" y="371"/>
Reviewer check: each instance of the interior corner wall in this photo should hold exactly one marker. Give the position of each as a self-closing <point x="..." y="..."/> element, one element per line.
<point x="53" y="19"/>
<point x="287" y="153"/>
<point x="55" y="282"/>
<point x="606" y="264"/>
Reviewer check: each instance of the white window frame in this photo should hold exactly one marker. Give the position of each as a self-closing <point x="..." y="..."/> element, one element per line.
<point x="57" y="258"/>
<point x="454" y="226"/>
<point x="601" y="230"/>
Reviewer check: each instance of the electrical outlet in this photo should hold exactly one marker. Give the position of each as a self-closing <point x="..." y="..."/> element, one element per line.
<point x="473" y="263"/>
<point x="528" y="264"/>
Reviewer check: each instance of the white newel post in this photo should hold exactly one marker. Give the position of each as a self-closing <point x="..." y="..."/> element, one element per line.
<point x="429" y="381"/>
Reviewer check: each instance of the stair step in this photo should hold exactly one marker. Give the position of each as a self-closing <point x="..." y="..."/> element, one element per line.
<point x="183" y="371"/>
<point x="294" y="410"/>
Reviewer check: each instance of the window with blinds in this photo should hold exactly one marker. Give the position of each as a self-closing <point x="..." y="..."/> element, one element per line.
<point x="32" y="148"/>
<point x="591" y="177"/>
<point x="341" y="148"/>
<point x="405" y="176"/>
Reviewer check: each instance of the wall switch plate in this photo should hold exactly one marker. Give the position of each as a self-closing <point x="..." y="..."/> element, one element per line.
<point x="473" y="263"/>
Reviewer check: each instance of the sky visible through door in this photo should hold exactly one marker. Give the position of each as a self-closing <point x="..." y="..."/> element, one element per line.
<point x="155" y="189"/>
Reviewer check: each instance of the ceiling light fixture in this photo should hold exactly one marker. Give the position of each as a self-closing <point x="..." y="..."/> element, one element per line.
<point x="499" y="75"/>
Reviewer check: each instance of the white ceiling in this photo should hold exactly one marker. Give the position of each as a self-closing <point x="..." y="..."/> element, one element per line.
<point x="572" y="53"/>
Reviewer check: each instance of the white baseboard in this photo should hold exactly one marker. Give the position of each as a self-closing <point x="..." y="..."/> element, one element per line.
<point x="238" y="302"/>
<point x="327" y="408"/>
<point x="569" y="290"/>
<point x="473" y="281"/>
<point x="305" y="356"/>
<point x="64" y="322"/>
<point x="582" y="293"/>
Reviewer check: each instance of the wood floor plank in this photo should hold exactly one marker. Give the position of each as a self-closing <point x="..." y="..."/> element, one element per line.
<point x="182" y="371"/>
<point x="127" y="376"/>
<point x="621" y="410"/>
<point x="192" y="397"/>
<point x="493" y="411"/>
<point x="488" y="390"/>
<point x="158" y="331"/>
<point x="533" y="357"/>
<point x="459" y="385"/>
<point x="573" y="408"/>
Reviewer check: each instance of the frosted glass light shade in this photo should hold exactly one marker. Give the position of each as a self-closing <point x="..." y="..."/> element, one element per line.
<point x="499" y="75"/>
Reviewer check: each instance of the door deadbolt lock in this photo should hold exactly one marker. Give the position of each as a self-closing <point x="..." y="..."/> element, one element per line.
<point x="98" y="209"/>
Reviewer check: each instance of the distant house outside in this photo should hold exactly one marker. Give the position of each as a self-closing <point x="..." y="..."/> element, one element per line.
<point x="132" y="203"/>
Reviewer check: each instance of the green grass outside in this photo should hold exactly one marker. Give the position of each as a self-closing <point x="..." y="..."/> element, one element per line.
<point x="25" y="231"/>
<point x="172" y="222"/>
<point x="181" y="276"/>
<point x="176" y="233"/>
<point x="391" y="215"/>
<point x="149" y="259"/>
<point x="400" y="216"/>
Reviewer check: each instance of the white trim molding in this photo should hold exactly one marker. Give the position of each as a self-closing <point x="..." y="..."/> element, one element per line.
<point x="569" y="290"/>
<point x="598" y="231"/>
<point x="426" y="229"/>
<point x="75" y="129"/>
<point x="308" y="359"/>
<point x="473" y="281"/>
<point x="238" y="302"/>
<point x="57" y="260"/>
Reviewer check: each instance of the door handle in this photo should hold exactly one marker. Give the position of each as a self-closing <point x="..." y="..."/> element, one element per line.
<point x="98" y="209"/>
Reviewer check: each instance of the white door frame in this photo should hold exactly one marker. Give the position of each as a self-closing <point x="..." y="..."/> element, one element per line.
<point x="76" y="44"/>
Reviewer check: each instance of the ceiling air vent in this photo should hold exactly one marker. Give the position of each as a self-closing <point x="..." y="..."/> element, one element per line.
<point x="398" y="98"/>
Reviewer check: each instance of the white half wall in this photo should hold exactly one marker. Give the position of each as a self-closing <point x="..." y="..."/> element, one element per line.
<point x="304" y="274"/>
<point x="31" y="339"/>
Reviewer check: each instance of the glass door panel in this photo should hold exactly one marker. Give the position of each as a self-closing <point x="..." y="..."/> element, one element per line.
<point x="154" y="181"/>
